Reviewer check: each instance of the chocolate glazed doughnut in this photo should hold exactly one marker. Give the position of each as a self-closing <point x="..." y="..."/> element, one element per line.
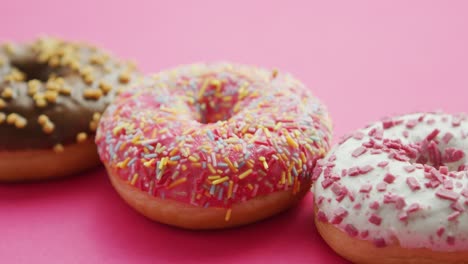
<point x="52" y="94"/>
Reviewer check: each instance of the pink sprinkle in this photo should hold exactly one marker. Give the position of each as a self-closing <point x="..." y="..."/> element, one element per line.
<point x="378" y="134"/>
<point x="389" y="178"/>
<point x="359" y="151"/>
<point x="340" y="214"/>
<point x="382" y="164"/>
<point x="365" y="233"/>
<point x="400" y="203"/>
<point x="413" y="208"/>
<point x="453" y="216"/>
<point x="447" y="137"/>
<point x="354" y="171"/>
<point x="453" y="155"/>
<point x="448" y="184"/>
<point x="456" y="121"/>
<point x="443" y="170"/>
<point x="381" y="186"/>
<point x="457" y="207"/>
<point x="344" y="172"/>
<point x="390" y="198"/>
<point x="376" y="151"/>
<point x="365" y="188"/>
<point x="337" y="189"/>
<point x="322" y="217"/>
<point x="464" y="192"/>
<point x="326" y="183"/>
<point x="432" y="135"/>
<point x="451" y="240"/>
<point x="365" y="169"/>
<point x="413" y="183"/>
<point x="405" y="133"/>
<point x="387" y="124"/>
<point x="358" y="135"/>
<point x="374" y="205"/>
<point x="447" y="194"/>
<point x="317" y="172"/>
<point x="411" y="123"/>
<point x="375" y="219"/>
<point x="440" y="231"/>
<point x="409" y="168"/>
<point x="351" y="230"/>
<point x="357" y="206"/>
<point x="379" y="242"/>
<point x="403" y="216"/>
<point x="320" y="199"/>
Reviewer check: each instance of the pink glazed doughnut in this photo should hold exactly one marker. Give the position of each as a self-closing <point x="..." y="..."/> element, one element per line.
<point x="213" y="145"/>
<point x="397" y="191"/>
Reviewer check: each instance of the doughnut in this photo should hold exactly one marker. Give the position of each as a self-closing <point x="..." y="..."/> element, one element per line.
<point x="397" y="191"/>
<point x="208" y="146"/>
<point x="52" y="94"/>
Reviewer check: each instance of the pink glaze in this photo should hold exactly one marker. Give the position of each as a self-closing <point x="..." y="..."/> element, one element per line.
<point x="214" y="135"/>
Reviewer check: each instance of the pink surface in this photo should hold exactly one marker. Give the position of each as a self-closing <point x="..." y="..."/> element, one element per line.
<point x="364" y="59"/>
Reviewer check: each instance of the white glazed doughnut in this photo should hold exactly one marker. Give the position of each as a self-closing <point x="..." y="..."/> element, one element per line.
<point x="397" y="190"/>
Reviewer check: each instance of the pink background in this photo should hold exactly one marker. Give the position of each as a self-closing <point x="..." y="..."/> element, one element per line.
<point x="364" y="59"/>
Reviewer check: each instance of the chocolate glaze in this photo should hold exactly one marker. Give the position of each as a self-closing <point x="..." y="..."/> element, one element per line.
<point x="72" y="99"/>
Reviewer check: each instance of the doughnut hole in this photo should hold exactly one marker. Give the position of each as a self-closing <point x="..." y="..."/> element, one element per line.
<point x="33" y="70"/>
<point x="437" y="153"/>
<point x="217" y="99"/>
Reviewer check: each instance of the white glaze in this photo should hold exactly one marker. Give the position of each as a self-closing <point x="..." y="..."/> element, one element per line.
<point x="420" y="228"/>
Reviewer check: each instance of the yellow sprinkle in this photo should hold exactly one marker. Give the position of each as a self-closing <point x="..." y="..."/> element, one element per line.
<point x="229" y="163"/>
<point x="2" y="117"/>
<point x="51" y="96"/>
<point x="81" y="137"/>
<point x="176" y="183"/>
<point x="148" y="163"/>
<point x="134" y="179"/>
<point x="135" y="139"/>
<point x="213" y="177"/>
<point x="11" y="118"/>
<point x="2" y="103"/>
<point x="192" y="158"/>
<point x="42" y="119"/>
<point x="48" y="127"/>
<point x="218" y="181"/>
<point x="231" y="185"/>
<point x="278" y="126"/>
<point x="123" y="164"/>
<point x="250" y="186"/>
<point x="202" y="89"/>
<point x="93" y="94"/>
<point x="105" y="87"/>
<point x="21" y="122"/>
<point x="291" y="141"/>
<point x="41" y="102"/>
<point x="124" y="77"/>
<point x="58" y="148"/>
<point x="283" y="177"/>
<point x="210" y="167"/>
<point x="267" y="132"/>
<point x="245" y="174"/>
<point x="228" y="215"/>
<point x="274" y="73"/>
<point x="7" y="93"/>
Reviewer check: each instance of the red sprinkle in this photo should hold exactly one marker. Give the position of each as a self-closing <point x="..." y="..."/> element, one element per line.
<point x="453" y="216"/>
<point x="351" y="230"/>
<point x="374" y="205"/>
<point x="413" y="208"/>
<point x="440" y="231"/>
<point x="375" y="219"/>
<point x="380" y="242"/>
<point x="389" y="178"/>
<point x="409" y="168"/>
